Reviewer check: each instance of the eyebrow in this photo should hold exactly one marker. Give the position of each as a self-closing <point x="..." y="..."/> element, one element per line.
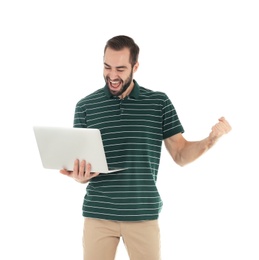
<point x="118" y="67"/>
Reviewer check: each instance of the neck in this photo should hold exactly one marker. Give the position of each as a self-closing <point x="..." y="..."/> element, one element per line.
<point x="127" y="91"/>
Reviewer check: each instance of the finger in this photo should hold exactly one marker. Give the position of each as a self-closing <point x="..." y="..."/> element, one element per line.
<point x="94" y="174"/>
<point x="88" y="170"/>
<point x="221" y="128"/>
<point x="89" y="175"/>
<point x="76" y="166"/>
<point x="227" y="126"/>
<point x="82" y="169"/>
<point x="66" y="172"/>
<point x="226" y="123"/>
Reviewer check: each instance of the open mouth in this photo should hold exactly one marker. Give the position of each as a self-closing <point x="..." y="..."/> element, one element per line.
<point x="114" y="84"/>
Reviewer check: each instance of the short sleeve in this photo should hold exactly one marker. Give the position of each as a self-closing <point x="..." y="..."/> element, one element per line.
<point x="171" y="123"/>
<point x="80" y="116"/>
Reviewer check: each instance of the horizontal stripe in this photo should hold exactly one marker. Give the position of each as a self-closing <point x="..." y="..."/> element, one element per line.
<point x="132" y="130"/>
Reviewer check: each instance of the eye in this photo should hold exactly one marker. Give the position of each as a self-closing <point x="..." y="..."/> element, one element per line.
<point x="120" y="70"/>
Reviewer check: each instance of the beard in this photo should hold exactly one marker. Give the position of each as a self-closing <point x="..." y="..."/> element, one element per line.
<point x="124" y="84"/>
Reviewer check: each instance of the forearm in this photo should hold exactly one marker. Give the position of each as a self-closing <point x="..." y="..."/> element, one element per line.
<point x="193" y="150"/>
<point x="184" y="152"/>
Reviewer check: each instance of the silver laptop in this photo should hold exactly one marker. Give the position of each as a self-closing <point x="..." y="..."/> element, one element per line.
<point x="59" y="147"/>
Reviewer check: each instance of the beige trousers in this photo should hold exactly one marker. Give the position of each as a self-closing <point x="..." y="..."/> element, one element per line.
<point x="101" y="238"/>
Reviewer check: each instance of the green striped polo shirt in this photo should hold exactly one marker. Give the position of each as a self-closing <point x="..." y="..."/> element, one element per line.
<point x="132" y="130"/>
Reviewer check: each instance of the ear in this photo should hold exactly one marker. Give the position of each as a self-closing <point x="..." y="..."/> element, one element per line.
<point x="135" y="67"/>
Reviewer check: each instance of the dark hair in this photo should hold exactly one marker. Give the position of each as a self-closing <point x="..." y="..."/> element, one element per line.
<point x="120" y="42"/>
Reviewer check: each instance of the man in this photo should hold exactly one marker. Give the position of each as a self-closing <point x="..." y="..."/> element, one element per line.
<point x="133" y="121"/>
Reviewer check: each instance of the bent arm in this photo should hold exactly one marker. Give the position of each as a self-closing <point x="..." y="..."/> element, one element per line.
<point x="184" y="152"/>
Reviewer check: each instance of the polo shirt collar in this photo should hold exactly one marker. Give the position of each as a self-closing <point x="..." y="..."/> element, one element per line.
<point x="134" y="94"/>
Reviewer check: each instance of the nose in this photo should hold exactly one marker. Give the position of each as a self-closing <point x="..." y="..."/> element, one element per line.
<point x="113" y="74"/>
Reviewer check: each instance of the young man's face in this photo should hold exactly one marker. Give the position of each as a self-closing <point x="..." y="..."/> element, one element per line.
<point x="118" y="72"/>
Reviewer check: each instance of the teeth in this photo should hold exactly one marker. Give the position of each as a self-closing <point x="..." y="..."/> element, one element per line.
<point x="114" y="81"/>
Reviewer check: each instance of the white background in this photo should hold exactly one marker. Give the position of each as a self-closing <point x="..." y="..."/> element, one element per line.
<point x="203" y="54"/>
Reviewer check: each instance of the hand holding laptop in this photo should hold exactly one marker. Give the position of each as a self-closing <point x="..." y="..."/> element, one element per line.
<point x="59" y="147"/>
<point x="81" y="172"/>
